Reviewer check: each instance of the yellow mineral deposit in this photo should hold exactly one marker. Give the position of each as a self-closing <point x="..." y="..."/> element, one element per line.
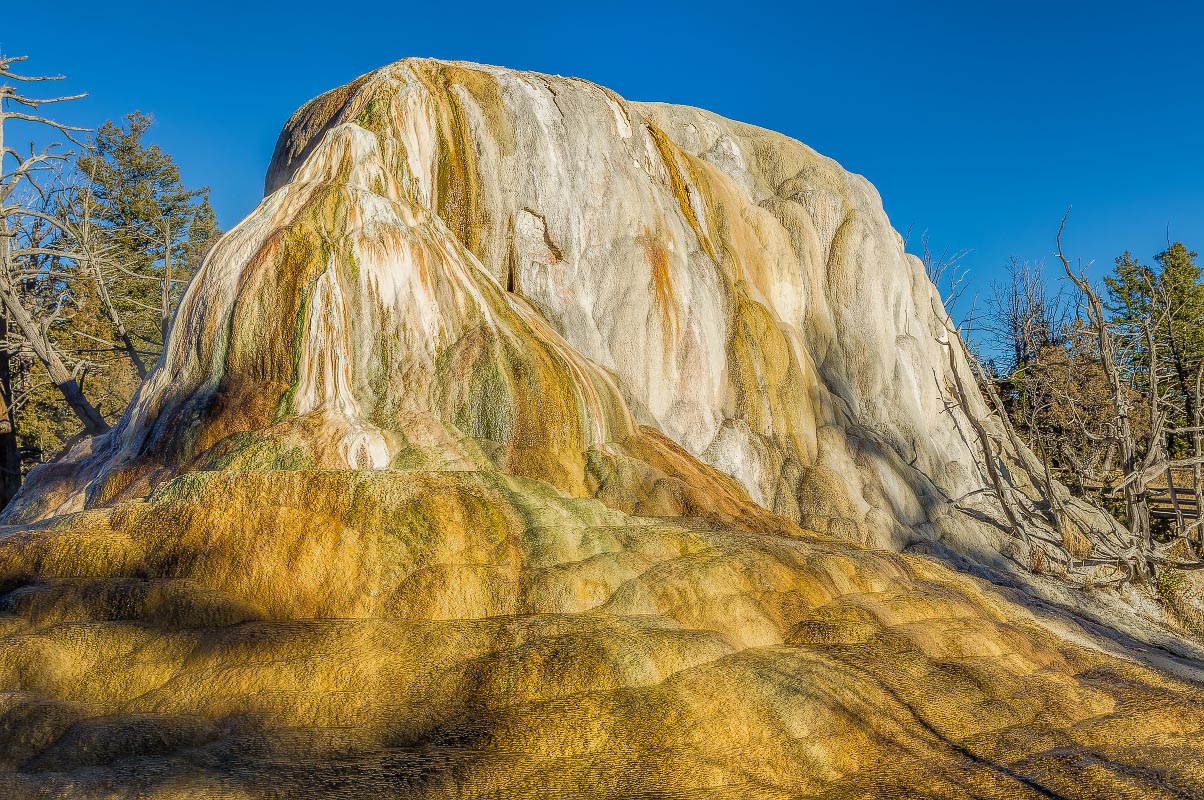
<point x="526" y="441"/>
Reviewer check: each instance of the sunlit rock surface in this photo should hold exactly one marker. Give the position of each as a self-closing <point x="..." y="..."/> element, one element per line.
<point x="523" y="442"/>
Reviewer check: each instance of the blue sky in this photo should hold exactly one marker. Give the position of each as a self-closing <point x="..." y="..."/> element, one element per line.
<point x="978" y="122"/>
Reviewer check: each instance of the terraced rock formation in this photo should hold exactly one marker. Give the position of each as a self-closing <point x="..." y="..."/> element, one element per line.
<point x="526" y="441"/>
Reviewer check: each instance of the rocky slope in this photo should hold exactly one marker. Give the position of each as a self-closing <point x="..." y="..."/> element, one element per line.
<point x="524" y="441"/>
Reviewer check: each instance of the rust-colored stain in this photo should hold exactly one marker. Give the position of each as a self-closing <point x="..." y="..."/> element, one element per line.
<point x="679" y="185"/>
<point x="657" y="257"/>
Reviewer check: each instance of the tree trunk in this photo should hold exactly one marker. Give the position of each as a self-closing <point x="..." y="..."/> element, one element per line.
<point x="988" y="455"/>
<point x="165" y="311"/>
<point x="10" y="454"/>
<point x="118" y="323"/>
<point x="1136" y="499"/>
<point x="1198" y="446"/>
<point x="44" y="349"/>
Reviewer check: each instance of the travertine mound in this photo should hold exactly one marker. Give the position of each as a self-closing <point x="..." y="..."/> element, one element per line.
<point x="450" y="243"/>
<point x="523" y="442"/>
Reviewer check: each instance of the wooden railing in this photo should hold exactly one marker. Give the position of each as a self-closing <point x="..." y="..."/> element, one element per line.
<point x="1162" y="505"/>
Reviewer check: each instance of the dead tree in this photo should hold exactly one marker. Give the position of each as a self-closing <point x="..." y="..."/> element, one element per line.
<point x="93" y="259"/>
<point x="165" y="300"/>
<point x="24" y="175"/>
<point x="1197" y="436"/>
<point x="1134" y="486"/>
<point x="1014" y="525"/>
<point x="948" y="273"/>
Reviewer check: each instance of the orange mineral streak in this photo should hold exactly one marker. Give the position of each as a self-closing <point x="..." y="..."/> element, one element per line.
<point x="662" y="286"/>
<point x="679" y="184"/>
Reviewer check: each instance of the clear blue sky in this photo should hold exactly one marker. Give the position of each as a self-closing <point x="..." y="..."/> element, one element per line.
<point x="979" y="122"/>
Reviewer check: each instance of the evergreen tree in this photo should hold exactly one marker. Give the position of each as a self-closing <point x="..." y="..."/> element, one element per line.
<point x="1130" y="302"/>
<point x="138" y="234"/>
<point x="150" y="223"/>
<point x="1180" y="318"/>
<point x="1130" y="292"/>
